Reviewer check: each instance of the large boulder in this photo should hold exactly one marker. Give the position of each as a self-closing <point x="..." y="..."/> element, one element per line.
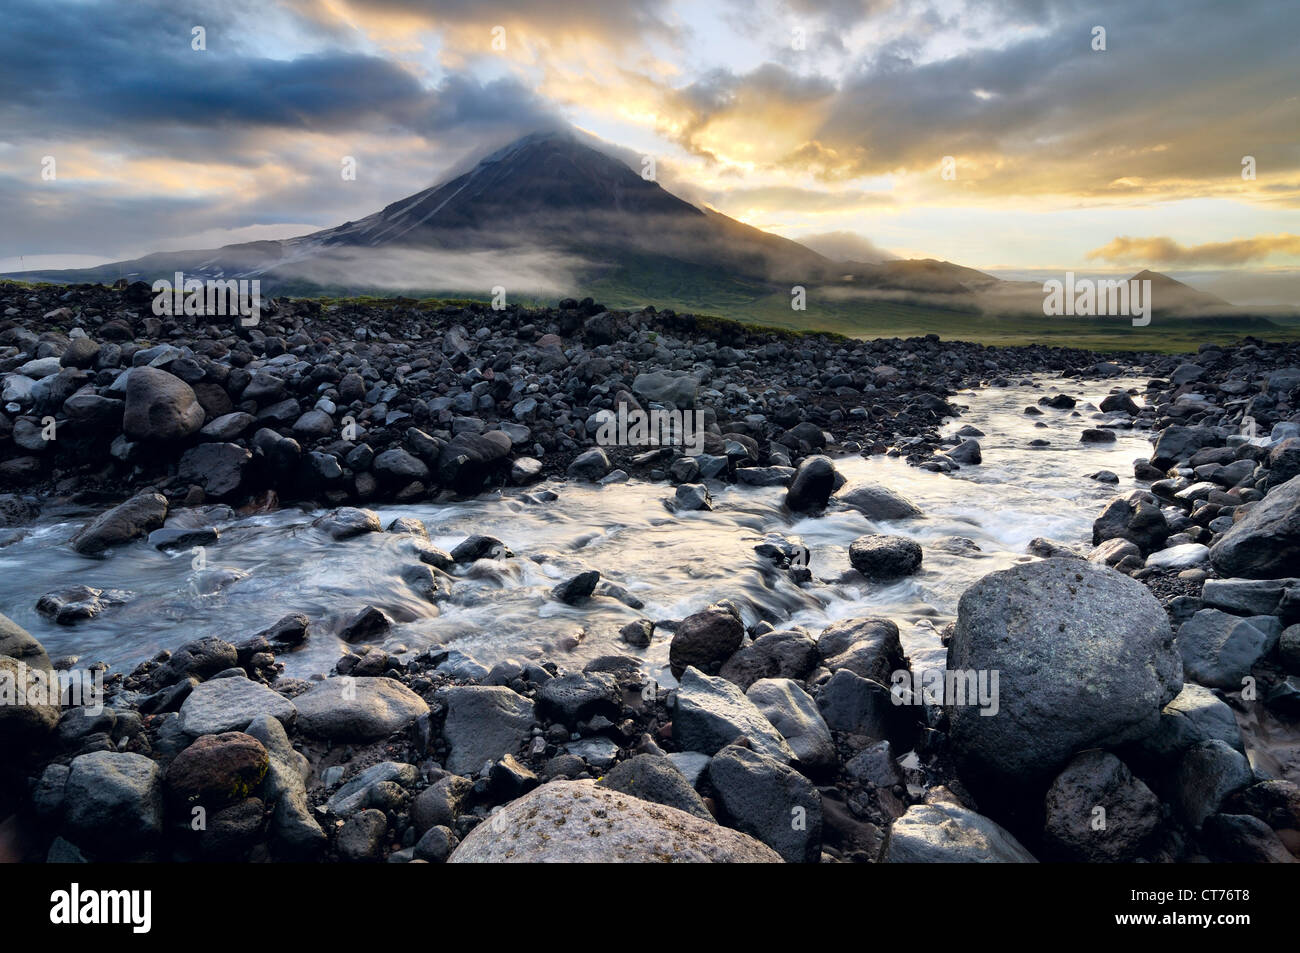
<point x="29" y="708"/>
<point x="794" y="713"/>
<point x="483" y="723"/>
<point x="580" y="822"/>
<point x="1177" y="443"/>
<point x="218" y="769"/>
<point x="358" y="709"/>
<point x="469" y="458"/>
<point x="138" y="516"/>
<point x="160" y="406"/>
<point x="1136" y="518"/>
<point x="1084" y="655"/>
<point x="1265" y="543"/>
<point x="781" y="654"/>
<point x="295" y="833"/>
<point x="19" y="644"/>
<point x="217" y="467"/>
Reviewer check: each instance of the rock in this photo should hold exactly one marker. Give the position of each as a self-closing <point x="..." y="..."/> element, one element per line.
<point x="440" y="803"/>
<point x="1207" y="775"/>
<point x="712" y="713"/>
<point x="525" y="470"/>
<point x="1183" y="556"/>
<point x="875" y="764"/>
<point x="1242" y="839"/>
<point x="1096" y="780"/>
<point x="1219" y="649"/>
<point x="580" y="822"/>
<point x="232" y="830"/>
<point x="136" y="517"/>
<point x="654" y="778"/>
<point x="774" y="655"/>
<point x="579" y="697"/>
<point x="885" y="557"/>
<point x="477" y="547"/>
<point x="589" y="465"/>
<point x="367" y="625"/>
<point x="637" y="633"/>
<point x="1114" y="551"/>
<point x="18" y="644"/>
<point x="855" y="705"/>
<point x="1120" y="403"/>
<point x="813" y="484"/>
<point x="792" y="712"/>
<point x="436" y="845"/>
<point x="1177" y="443"/>
<point x="770" y="801"/>
<point x="1136" y="518"/>
<point x="944" y="832"/>
<point x="1247" y="596"/>
<point x="295" y="833"/>
<point x="217" y="467"/>
<point x="705" y="639"/>
<point x="78" y="603"/>
<point x="692" y="496"/>
<point x="228" y="704"/>
<point x="358" y="709"/>
<point x="470" y="458"/>
<point x="218" y="770"/>
<point x="159" y="406"/>
<point x="867" y="646"/>
<point x="1085" y="656"/>
<point x="878" y="502"/>
<point x="1265" y="543"/>
<point x="483" y="723"/>
<point x="113" y="800"/>
<point x="1097" y="435"/>
<point x="966" y="452"/>
<point x="663" y="388"/>
<point x="361" y="839"/>
<point x="29" y="707"/>
<point x="1195" y="715"/>
<point x="359" y="792"/>
<point x="347" y="522"/>
<point x="201" y="658"/>
<point x="578" y="589"/>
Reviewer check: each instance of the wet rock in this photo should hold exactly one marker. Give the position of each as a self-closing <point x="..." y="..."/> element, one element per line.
<point x="348" y="522"/>
<point x="705" y="639"/>
<point x="201" y="658"/>
<point x="579" y="697"/>
<point x="813" y="484"/>
<point x="436" y="845"/>
<point x="368" y="624"/>
<point x="1136" y="518"/>
<point x="479" y="547"/>
<point x="440" y="803"/>
<point x="855" y="705"/>
<point x="774" y="655"/>
<point x="868" y="646"/>
<point x="578" y="589"/>
<point x="217" y="467"/>
<point x="637" y="633"/>
<point x="136" y="517"/>
<point x="878" y="502"/>
<point x="885" y="557"/>
<point x="78" y="603"/>
<point x="692" y="496"/>
<point x="589" y="465"/>
<point x="1085" y="656"/>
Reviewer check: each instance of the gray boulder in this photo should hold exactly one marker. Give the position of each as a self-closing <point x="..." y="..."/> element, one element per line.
<point x="1265" y="543"/>
<point x="770" y="801"/>
<point x="794" y="713"/>
<point x="228" y="704"/>
<point x="705" y="639"/>
<point x="713" y="712"/>
<point x="945" y="832"/>
<point x="483" y="723"/>
<point x="1219" y="649"/>
<point x="878" y="502"/>
<point x="814" y="482"/>
<point x="160" y="406"/>
<point x="885" y="557"/>
<point x="1085" y="657"/>
<point x="1098" y="812"/>
<point x="652" y="777"/>
<point x="133" y="519"/>
<point x="113" y="800"/>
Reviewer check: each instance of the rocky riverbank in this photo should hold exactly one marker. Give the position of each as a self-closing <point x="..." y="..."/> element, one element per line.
<point x="1114" y="693"/>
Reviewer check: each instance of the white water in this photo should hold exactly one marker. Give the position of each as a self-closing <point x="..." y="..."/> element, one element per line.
<point x="674" y="564"/>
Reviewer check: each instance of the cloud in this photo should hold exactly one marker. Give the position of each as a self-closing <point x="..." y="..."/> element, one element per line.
<point x="1165" y="251"/>
<point x="845" y="246"/>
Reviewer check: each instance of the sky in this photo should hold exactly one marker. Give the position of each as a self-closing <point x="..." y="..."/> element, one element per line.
<point x="1020" y="138"/>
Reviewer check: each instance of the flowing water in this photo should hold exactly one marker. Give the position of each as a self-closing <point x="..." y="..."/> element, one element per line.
<point x="268" y="565"/>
